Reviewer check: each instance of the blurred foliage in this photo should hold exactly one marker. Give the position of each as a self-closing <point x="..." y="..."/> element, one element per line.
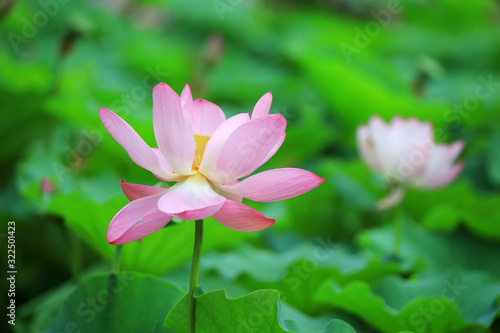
<point x="330" y="65"/>
<point x="85" y="308"/>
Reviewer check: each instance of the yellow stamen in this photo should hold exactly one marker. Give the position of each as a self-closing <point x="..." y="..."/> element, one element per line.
<point x="200" y="142"/>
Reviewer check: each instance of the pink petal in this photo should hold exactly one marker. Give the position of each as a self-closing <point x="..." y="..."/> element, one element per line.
<point x="137" y="149"/>
<point x="173" y="129"/>
<point x="412" y="141"/>
<point x="137" y="220"/>
<point x="137" y="191"/>
<point x="218" y="139"/>
<point x="263" y="106"/>
<point x="191" y="199"/>
<point x="240" y="217"/>
<point x="164" y="163"/>
<point x="382" y="144"/>
<point x="206" y="117"/>
<point x="443" y="178"/>
<point x="187" y="100"/>
<point x="275" y="185"/>
<point x="401" y="146"/>
<point x="228" y="195"/>
<point x="249" y="147"/>
<point x="440" y="169"/>
<point x="171" y="176"/>
<point x="275" y="149"/>
<point x="366" y="148"/>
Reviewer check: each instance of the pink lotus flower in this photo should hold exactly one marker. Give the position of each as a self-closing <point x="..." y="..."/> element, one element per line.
<point x="405" y="153"/>
<point x="206" y="155"/>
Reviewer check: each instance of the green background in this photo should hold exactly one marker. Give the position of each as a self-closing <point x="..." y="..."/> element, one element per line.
<point x="330" y="66"/>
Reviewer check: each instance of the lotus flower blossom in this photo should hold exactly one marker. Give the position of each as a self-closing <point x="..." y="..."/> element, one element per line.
<point x="405" y="153"/>
<point x="205" y="154"/>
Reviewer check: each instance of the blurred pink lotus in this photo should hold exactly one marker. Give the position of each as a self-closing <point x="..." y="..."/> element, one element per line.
<point x="405" y="153"/>
<point x="206" y="155"/>
<point x="47" y="186"/>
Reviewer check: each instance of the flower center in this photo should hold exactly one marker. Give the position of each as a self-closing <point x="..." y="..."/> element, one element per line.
<point x="200" y="142"/>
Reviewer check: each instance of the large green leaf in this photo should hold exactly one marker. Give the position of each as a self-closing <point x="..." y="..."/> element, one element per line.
<point x="458" y="204"/>
<point x="128" y="302"/>
<point x="259" y="263"/>
<point x="449" y="302"/>
<point x="298" y="272"/>
<point x="258" y="311"/>
<point x="474" y="293"/>
<point x="438" y="251"/>
<point x="210" y="280"/>
<point x="303" y="277"/>
<point x="40" y="313"/>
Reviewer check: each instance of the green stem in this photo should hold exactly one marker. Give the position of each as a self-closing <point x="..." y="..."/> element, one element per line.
<point x="195" y="270"/>
<point x="115" y="266"/>
<point x="115" y="269"/>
